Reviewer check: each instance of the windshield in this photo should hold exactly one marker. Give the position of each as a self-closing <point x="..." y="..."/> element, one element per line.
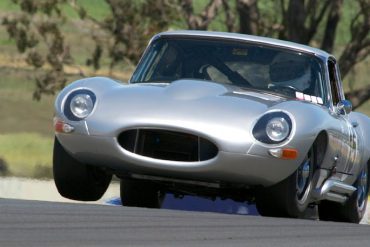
<point x="241" y="64"/>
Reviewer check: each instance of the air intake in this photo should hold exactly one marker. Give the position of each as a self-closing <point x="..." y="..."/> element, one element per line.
<point x="167" y="145"/>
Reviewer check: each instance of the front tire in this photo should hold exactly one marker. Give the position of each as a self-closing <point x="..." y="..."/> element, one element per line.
<point x="354" y="208"/>
<point x="135" y="193"/>
<point x="290" y="197"/>
<point x="75" y="180"/>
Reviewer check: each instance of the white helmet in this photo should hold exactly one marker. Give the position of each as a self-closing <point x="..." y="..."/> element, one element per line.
<point x="288" y="69"/>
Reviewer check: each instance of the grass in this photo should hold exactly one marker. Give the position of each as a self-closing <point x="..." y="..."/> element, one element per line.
<point x="8" y="6"/>
<point x="27" y="154"/>
<point x="26" y="132"/>
<point x="97" y="8"/>
<point x="18" y="111"/>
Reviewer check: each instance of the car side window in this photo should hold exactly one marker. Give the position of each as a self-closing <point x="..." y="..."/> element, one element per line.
<point x="334" y="83"/>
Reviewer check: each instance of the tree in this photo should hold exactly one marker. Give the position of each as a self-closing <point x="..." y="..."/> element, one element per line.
<point x="300" y="24"/>
<point x="200" y="21"/>
<point x="123" y="34"/>
<point x="298" y="21"/>
<point x="41" y="39"/>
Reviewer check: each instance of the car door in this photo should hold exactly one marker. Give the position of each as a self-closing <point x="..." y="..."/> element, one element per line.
<point x="346" y="156"/>
<point x="353" y="156"/>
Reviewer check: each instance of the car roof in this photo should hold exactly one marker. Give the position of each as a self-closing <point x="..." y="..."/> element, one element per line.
<point x="249" y="38"/>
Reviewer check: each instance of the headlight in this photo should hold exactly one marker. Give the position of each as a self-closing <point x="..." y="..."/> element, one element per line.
<point x="79" y="104"/>
<point x="277" y="129"/>
<point x="273" y="128"/>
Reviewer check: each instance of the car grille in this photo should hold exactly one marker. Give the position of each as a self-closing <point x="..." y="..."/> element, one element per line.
<point x="167" y="145"/>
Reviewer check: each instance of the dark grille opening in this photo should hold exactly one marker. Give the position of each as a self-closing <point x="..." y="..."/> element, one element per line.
<point x="167" y="145"/>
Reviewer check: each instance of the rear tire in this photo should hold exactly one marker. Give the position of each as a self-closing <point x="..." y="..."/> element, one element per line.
<point x="290" y="197"/>
<point x="354" y="208"/>
<point x="144" y="194"/>
<point x="75" y="180"/>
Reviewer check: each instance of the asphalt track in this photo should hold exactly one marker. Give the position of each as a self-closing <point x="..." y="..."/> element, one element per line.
<point x="35" y="223"/>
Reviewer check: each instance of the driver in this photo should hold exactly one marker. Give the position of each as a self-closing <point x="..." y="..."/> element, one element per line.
<point x="291" y="71"/>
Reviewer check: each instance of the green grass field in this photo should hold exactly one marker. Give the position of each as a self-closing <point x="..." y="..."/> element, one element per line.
<point x="28" y="154"/>
<point x="26" y="132"/>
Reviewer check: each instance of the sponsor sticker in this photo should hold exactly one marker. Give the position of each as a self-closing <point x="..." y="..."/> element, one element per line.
<point x="314" y="99"/>
<point x="309" y="98"/>
<point x="299" y="95"/>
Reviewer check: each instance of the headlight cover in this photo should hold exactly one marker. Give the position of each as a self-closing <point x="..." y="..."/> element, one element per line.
<point x="273" y="128"/>
<point x="277" y="129"/>
<point x="79" y="104"/>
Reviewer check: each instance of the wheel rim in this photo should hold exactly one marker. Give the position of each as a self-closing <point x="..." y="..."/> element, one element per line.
<point x="362" y="189"/>
<point x="303" y="184"/>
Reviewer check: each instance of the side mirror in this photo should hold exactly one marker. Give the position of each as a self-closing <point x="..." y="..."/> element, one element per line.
<point x="344" y="107"/>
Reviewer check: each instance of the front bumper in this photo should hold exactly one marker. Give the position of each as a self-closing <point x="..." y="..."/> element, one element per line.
<point x="255" y="167"/>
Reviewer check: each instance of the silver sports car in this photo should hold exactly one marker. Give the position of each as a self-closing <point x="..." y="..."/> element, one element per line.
<point x="218" y="115"/>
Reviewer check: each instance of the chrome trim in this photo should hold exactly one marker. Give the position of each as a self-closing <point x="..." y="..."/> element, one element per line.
<point x="334" y="190"/>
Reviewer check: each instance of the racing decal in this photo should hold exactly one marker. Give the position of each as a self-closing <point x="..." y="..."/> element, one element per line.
<point x="299" y="95"/>
<point x="309" y="98"/>
<point x="314" y="99"/>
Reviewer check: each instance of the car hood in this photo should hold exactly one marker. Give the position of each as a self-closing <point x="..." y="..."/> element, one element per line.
<point x="200" y="107"/>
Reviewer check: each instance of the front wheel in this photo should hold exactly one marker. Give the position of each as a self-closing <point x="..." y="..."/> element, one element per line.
<point x="354" y="208"/>
<point x="290" y="197"/>
<point x="75" y="180"/>
<point x="135" y="193"/>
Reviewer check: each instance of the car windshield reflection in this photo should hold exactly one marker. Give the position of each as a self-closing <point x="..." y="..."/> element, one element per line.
<point x="252" y="66"/>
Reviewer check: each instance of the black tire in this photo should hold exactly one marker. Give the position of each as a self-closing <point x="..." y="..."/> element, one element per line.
<point x="75" y="180"/>
<point x="144" y="194"/>
<point x="354" y="208"/>
<point x="291" y="197"/>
